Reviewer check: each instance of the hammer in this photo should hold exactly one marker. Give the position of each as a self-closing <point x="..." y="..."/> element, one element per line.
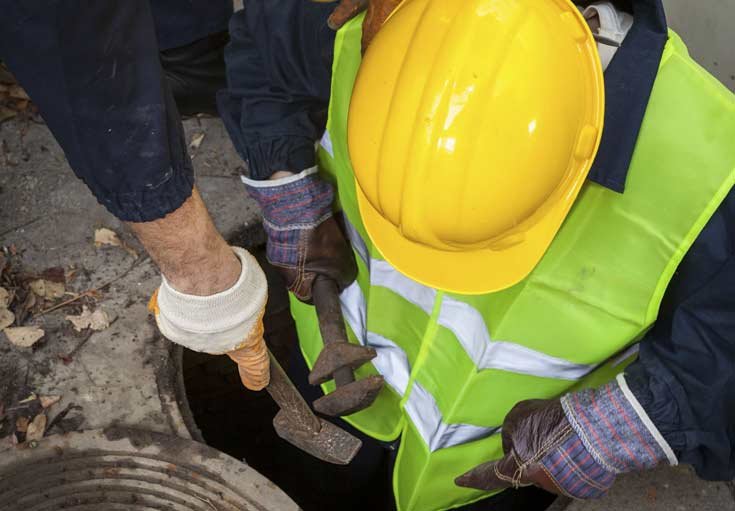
<point x="338" y="358"/>
<point x="297" y="424"/>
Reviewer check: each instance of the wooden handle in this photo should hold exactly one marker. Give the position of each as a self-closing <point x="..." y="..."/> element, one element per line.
<point x="289" y="399"/>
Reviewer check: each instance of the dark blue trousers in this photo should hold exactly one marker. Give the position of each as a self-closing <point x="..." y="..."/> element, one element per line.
<point x="93" y="69"/>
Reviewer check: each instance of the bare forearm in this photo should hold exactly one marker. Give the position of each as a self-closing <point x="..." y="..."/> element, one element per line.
<point x="189" y="250"/>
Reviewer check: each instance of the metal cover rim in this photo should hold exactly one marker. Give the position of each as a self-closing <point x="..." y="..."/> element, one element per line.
<point x="130" y="469"/>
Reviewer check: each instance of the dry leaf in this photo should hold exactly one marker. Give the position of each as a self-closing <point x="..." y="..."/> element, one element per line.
<point x="96" y="320"/>
<point x="6" y="113"/>
<point x="21" y="424"/>
<point x="48" y="401"/>
<point x="47" y="289"/>
<point x="31" y="397"/>
<point x="104" y="236"/>
<point x="24" y="336"/>
<point x="6" y="318"/>
<point x="37" y="428"/>
<point x="71" y="274"/>
<point x="54" y="274"/>
<point x="17" y="92"/>
<point x="4" y="298"/>
<point x="196" y="141"/>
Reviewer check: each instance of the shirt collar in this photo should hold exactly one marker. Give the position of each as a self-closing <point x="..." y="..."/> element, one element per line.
<point x="628" y="82"/>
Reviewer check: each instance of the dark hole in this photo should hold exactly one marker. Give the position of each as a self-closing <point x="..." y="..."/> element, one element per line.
<point x="239" y="423"/>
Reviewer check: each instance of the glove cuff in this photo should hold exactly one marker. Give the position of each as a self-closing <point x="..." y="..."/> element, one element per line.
<point x="291" y="206"/>
<point x="616" y="433"/>
<point x="217" y="323"/>
<point x="575" y="473"/>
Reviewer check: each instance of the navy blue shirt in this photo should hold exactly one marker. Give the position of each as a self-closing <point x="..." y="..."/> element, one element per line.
<point x="279" y="66"/>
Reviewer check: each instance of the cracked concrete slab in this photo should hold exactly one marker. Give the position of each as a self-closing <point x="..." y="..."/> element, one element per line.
<point x="49" y="216"/>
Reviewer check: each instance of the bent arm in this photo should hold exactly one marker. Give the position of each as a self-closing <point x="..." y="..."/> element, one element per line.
<point x="685" y="376"/>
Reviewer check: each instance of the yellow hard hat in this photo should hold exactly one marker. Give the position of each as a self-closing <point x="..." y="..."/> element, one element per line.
<point x="472" y="126"/>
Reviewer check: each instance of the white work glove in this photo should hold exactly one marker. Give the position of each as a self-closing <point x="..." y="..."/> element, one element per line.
<point x="228" y="322"/>
<point x="610" y="29"/>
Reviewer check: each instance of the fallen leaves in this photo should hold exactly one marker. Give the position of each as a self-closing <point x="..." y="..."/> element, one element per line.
<point x="6" y="315"/>
<point x="97" y="320"/>
<point x="17" y="92"/>
<point x="49" y="401"/>
<point x="105" y="236"/>
<point x="6" y="113"/>
<point x="29" y="421"/>
<point x="13" y="99"/>
<point x="196" y="141"/>
<point x="4" y="297"/>
<point x="6" y="318"/>
<point x="21" y="291"/>
<point x="36" y="428"/>
<point x="47" y="289"/>
<point x="24" y="336"/>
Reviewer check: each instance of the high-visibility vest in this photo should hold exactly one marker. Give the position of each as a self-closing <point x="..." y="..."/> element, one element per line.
<point x="455" y="365"/>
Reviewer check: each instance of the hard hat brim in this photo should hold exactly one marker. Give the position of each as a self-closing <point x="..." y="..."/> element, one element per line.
<point x="469" y="272"/>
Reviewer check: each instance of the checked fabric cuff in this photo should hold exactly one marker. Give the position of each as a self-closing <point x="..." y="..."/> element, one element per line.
<point x="291" y="206"/>
<point x="612" y="435"/>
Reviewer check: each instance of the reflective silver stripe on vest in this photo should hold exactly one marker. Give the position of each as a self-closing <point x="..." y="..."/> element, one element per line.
<point x="468" y="325"/>
<point x="357" y="242"/>
<point x="437" y="434"/>
<point x="392" y="363"/>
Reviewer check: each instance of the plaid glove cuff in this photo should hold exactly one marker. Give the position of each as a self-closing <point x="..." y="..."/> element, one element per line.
<point x="611" y="434"/>
<point x="290" y="207"/>
<point x="615" y="429"/>
<point x="575" y="472"/>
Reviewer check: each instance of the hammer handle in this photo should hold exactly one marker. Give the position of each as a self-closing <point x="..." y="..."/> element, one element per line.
<point x="289" y="399"/>
<point x="325" y="295"/>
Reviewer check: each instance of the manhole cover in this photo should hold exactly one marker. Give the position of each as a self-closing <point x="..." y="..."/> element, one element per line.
<point x="131" y="470"/>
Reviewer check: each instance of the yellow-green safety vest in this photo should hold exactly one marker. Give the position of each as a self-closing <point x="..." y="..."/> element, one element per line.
<point x="455" y="365"/>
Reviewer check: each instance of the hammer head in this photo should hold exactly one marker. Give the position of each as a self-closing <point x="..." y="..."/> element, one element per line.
<point x="331" y="443"/>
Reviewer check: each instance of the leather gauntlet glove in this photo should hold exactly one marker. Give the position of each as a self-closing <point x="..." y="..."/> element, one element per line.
<point x="304" y="238"/>
<point x="575" y="446"/>
<point x="229" y="322"/>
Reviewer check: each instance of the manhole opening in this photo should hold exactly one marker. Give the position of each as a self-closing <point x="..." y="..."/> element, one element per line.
<point x="239" y="423"/>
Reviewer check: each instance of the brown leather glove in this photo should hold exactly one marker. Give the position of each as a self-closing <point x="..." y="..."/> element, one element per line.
<point x="574" y="446"/>
<point x="377" y="12"/>
<point x="530" y="431"/>
<point x="304" y="238"/>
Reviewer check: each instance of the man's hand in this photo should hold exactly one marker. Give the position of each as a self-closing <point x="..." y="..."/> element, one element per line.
<point x="575" y="446"/>
<point x="304" y="239"/>
<point x="377" y="12"/>
<point x="532" y="431"/>
<point x="213" y="296"/>
<point x="229" y="322"/>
